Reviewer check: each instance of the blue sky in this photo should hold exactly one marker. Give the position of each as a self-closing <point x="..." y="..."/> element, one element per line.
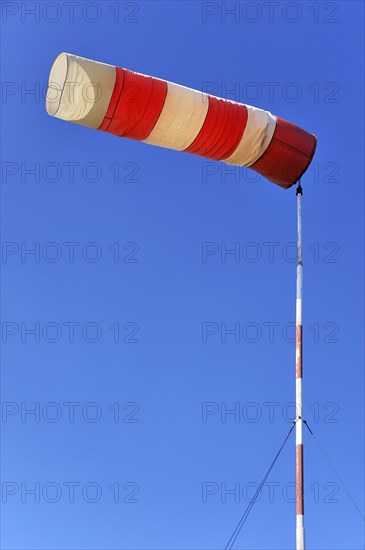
<point x="128" y="368"/>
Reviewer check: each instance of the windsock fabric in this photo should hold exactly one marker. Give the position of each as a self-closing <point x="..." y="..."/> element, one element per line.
<point x="148" y="109"/>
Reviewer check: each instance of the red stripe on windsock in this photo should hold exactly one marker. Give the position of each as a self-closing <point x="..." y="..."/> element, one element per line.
<point x="222" y="129"/>
<point x="135" y="106"/>
<point x="288" y="154"/>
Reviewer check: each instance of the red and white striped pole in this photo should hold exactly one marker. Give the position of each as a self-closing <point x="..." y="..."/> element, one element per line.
<point x="300" y="542"/>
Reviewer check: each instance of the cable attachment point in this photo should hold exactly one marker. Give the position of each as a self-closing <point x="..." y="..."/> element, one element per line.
<point x="299" y="189"/>
<point x="306" y="423"/>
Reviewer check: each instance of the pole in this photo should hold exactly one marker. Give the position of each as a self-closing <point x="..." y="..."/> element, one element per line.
<point x="300" y="542"/>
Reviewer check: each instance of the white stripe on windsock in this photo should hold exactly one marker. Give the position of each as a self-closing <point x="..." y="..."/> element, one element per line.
<point x="255" y="139"/>
<point x="181" y="118"/>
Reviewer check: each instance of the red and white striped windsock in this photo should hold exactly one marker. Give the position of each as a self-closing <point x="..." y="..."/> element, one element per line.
<point x="129" y="104"/>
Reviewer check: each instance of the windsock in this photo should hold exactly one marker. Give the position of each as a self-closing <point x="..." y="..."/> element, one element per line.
<point x="158" y="112"/>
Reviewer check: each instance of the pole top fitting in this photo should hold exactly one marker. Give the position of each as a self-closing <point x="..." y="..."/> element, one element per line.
<point x="299" y="189"/>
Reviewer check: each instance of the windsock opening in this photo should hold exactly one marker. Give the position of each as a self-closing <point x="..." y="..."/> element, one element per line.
<point x="79" y="89"/>
<point x="56" y="83"/>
